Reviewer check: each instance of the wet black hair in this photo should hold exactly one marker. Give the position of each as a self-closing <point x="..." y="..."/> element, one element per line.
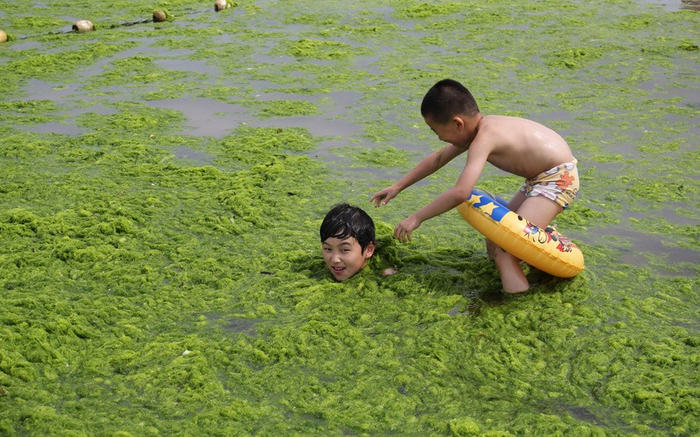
<point x="446" y="99"/>
<point x="344" y="221"/>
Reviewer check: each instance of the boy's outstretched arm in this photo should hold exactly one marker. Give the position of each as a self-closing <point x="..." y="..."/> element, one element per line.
<point x="429" y="165"/>
<point x="444" y="202"/>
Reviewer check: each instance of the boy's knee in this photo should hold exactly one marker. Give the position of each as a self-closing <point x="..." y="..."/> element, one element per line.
<point x="500" y="254"/>
<point x="496" y="252"/>
<point x="491" y="249"/>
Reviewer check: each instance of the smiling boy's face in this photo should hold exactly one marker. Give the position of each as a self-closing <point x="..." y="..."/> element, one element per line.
<point x="345" y="257"/>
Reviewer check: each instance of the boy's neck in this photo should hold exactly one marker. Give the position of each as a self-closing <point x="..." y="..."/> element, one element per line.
<point x="471" y="125"/>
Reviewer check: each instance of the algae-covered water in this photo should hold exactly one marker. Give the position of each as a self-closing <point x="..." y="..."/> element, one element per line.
<point x="162" y="186"/>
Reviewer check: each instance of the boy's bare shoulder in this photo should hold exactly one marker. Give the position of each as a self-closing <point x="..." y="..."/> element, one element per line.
<point x="506" y="121"/>
<point x="518" y="130"/>
<point x="521" y="146"/>
<point x="502" y="131"/>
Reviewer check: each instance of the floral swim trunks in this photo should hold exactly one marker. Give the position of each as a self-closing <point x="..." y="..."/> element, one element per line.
<point x="559" y="184"/>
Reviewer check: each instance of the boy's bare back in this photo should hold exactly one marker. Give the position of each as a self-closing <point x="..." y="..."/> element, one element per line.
<point x="519" y="146"/>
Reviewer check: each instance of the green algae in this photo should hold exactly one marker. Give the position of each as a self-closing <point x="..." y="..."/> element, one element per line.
<point x="380" y="157"/>
<point x="137" y="70"/>
<point x="287" y="108"/>
<point x="318" y="49"/>
<point x="33" y="107"/>
<point x="575" y="57"/>
<point x="425" y="10"/>
<point x="55" y="65"/>
<point x="131" y="121"/>
<point x="31" y="112"/>
<point x="143" y="294"/>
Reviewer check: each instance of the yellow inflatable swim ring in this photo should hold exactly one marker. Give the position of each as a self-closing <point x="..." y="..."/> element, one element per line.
<point x="545" y="249"/>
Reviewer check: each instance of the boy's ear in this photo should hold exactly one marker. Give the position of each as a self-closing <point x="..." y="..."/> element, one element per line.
<point x="459" y="122"/>
<point x="369" y="250"/>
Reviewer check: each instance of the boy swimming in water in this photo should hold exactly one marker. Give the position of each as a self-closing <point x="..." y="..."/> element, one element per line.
<point x="347" y="239"/>
<point x="516" y="145"/>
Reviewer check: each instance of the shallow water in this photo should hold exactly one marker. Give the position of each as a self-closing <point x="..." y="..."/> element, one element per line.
<point x="163" y="185"/>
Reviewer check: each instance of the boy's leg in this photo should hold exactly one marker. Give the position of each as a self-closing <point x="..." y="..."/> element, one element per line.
<point x="539" y="211"/>
<point x="512" y="277"/>
<point x="491" y="249"/>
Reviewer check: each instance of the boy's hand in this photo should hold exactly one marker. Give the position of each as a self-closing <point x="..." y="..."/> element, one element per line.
<point x="404" y="229"/>
<point x="383" y="197"/>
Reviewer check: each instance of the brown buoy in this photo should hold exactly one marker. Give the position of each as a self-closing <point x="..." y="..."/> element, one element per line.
<point x="159" y="16"/>
<point x="3" y="36"/>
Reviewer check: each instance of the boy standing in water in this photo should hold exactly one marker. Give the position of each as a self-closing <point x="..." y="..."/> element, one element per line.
<point x="516" y="145"/>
